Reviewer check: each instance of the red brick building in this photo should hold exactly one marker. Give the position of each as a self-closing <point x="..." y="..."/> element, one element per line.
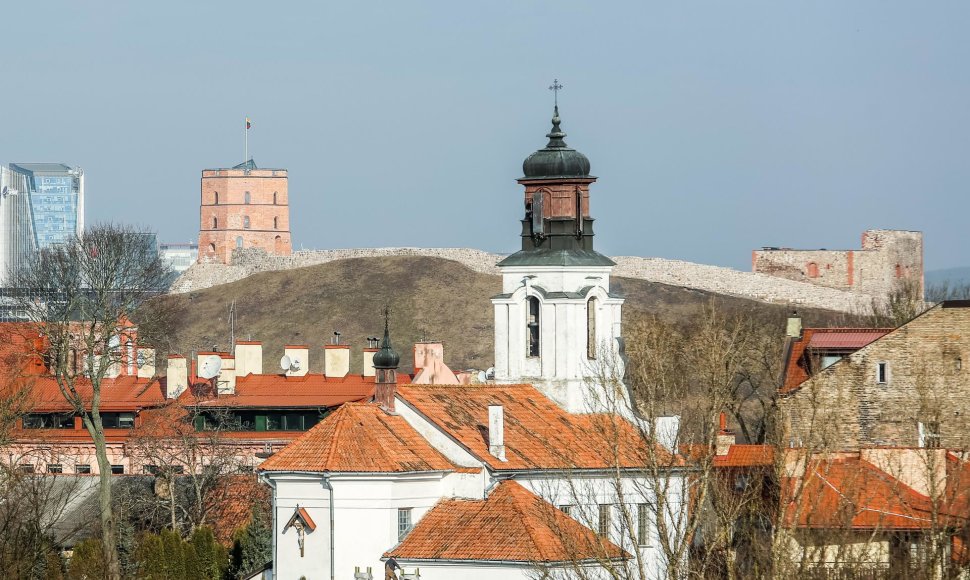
<point x="244" y="207"/>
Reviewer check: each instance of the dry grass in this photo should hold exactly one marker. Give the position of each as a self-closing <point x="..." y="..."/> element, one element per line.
<point x="430" y="298"/>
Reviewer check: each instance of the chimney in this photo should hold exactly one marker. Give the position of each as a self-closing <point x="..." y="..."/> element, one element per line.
<point x="794" y="328"/>
<point x="177" y="376"/>
<point x="226" y="384"/>
<point x="666" y="430"/>
<point x="425" y="353"/>
<point x="249" y="358"/>
<point x="299" y="359"/>
<point x="373" y="344"/>
<point x="724" y="438"/>
<point x="146" y="363"/>
<point x="336" y="360"/>
<point x="496" y="431"/>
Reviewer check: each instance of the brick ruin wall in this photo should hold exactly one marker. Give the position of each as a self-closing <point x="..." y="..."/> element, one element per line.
<point x="885" y="258"/>
<point x="719" y="280"/>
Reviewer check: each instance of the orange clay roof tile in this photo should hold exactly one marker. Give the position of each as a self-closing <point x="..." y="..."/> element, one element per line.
<point x="538" y="433"/>
<point x="512" y="524"/>
<point x="359" y="437"/>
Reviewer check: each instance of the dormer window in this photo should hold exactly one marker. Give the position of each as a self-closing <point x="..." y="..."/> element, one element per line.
<point x="882" y="373"/>
<point x="532" y="326"/>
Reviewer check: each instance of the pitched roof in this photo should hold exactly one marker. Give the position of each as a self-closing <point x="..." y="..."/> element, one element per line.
<point x="843" y="339"/>
<point x="281" y="391"/>
<point x="359" y="437"/>
<point x="123" y="393"/>
<point x="511" y="525"/>
<point x="538" y="433"/>
<point x="851" y="493"/>
<point x="746" y="456"/>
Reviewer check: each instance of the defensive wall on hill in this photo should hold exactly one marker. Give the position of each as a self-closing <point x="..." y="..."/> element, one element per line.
<point x="757" y="286"/>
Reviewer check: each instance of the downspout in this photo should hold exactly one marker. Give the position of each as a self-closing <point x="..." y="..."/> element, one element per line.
<point x="328" y="487"/>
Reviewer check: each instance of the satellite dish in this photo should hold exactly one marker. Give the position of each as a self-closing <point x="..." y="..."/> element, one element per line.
<point x="296" y="364"/>
<point x="482" y="377"/>
<point x="285" y="363"/>
<point x="490" y="373"/>
<point x="211" y="365"/>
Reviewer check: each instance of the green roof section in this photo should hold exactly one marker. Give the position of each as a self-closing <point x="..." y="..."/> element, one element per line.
<point x="544" y="257"/>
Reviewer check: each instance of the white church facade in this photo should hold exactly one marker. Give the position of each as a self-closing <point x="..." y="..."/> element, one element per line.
<point x="544" y="472"/>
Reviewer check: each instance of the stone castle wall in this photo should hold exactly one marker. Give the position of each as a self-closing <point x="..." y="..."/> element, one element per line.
<point x="886" y="258"/>
<point x="715" y="279"/>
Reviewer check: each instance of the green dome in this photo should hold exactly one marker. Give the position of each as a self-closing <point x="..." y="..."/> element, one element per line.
<point x="386" y="358"/>
<point x="556" y="159"/>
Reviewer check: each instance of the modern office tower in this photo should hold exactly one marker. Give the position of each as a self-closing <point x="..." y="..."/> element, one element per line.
<point x="17" y="241"/>
<point x="179" y="256"/>
<point x="56" y="201"/>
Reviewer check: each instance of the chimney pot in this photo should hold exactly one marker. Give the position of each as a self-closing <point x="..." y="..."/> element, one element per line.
<point x="336" y="360"/>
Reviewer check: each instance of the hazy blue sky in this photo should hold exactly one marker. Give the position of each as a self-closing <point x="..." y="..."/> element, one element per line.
<point x="715" y="127"/>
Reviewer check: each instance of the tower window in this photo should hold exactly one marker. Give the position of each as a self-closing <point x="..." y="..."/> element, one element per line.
<point x="276" y="223"/>
<point x="532" y="326"/>
<point x="246" y="198"/>
<point x="274" y="198"/>
<point x="212" y="248"/>
<point x="215" y="223"/>
<point x="811" y="270"/>
<point x="217" y="198"/>
<point x="239" y="242"/>
<point x="591" y="328"/>
<point x="246" y="222"/>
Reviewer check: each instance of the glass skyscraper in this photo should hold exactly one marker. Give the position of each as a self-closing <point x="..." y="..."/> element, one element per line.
<point x="56" y="193"/>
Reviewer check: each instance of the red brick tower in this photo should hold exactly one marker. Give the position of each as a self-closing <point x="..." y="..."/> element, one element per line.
<point x="243" y="207"/>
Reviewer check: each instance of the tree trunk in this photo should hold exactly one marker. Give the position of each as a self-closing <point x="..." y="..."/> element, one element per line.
<point x="109" y="529"/>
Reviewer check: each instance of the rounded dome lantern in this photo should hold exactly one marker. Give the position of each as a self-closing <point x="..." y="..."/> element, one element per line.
<point x="556" y="160"/>
<point x="386" y="357"/>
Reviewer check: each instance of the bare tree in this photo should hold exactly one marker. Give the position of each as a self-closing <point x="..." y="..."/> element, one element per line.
<point x="82" y="298"/>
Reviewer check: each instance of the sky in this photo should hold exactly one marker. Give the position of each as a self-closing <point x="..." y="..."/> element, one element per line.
<point x="714" y="127"/>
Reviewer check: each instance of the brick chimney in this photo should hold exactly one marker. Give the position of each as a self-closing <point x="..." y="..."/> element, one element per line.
<point x="177" y="376"/>
<point x="794" y="327"/>
<point x="249" y="358"/>
<point x="724" y="438"/>
<point x="146" y="363"/>
<point x="496" y="431"/>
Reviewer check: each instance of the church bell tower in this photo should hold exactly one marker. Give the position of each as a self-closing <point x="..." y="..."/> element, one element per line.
<point x="557" y="325"/>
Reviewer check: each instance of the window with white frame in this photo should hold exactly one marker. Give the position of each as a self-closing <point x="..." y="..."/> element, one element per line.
<point x="643" y="524"/>
<point x="882" y="373"/>
<point x="403" y="522"/>
<point x="603" y="525"/>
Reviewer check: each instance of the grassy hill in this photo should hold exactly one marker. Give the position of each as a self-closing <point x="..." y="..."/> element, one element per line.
<point x="430" y="298"/>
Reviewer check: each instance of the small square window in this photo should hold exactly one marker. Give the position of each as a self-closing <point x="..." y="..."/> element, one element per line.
<point x="82" y="468"/>
<point x="117" y="469"/>
<point x="403" y="522"/>
<point x="55" y="468"/>
<point x="882" y="373"/>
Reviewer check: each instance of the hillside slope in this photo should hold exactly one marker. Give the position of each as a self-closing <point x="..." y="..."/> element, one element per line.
<point x="430" y="298"/>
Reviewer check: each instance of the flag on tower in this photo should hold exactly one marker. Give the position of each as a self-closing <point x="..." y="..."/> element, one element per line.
<point x="248" y="124"/>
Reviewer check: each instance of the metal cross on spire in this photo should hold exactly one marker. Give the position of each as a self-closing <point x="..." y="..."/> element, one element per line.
<point x="555" y="87"/>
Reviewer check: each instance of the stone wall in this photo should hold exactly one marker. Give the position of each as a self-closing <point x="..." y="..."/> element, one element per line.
<point x="715" y="279"/>
<point x="845" y="406"/>
<point x="886" y="257"/>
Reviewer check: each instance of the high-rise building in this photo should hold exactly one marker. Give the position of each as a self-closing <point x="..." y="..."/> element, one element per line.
<point x="56" y="201"/>
<point x="179" y="257"/>
<point x="17" y="241"/>
<point x="244" y="207"/>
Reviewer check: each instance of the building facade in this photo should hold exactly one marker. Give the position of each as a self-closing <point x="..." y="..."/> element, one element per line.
<point x="56" y="201"/>
<point x="886" y="259"/>
<point x="179" y="257"/>
<point x="17" y="239"/>
<point x="244" y="207"/>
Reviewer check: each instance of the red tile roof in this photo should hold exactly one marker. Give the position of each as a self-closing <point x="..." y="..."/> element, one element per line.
<point x="848" y="492"/>
<point x="511" y="525"/>
<point x="124" y="393"/>
<point x="538" y="433"/>
<point x="842" y="339"/>
<point x="359" y="437"/>
<point x="746" y="456"/>
<point x="280" y="391"/>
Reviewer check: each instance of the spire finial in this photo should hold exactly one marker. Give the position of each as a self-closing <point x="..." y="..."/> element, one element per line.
<point x="555" y="87"/>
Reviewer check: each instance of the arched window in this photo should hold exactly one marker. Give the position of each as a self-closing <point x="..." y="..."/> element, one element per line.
<point x="532" y="326"/>
<point x="811" y="270"/>
<point x="217" y="198"/>
<point x="276" y="223"/>
<point x="591" y="328"/>
<point x="274" y="198"/>
<point x="247" y="199"/>
<point x="245" y="222"/>
<point x="215" y="223"/>
<point x="212" y="248"/>
<point x="239" y="241"/>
